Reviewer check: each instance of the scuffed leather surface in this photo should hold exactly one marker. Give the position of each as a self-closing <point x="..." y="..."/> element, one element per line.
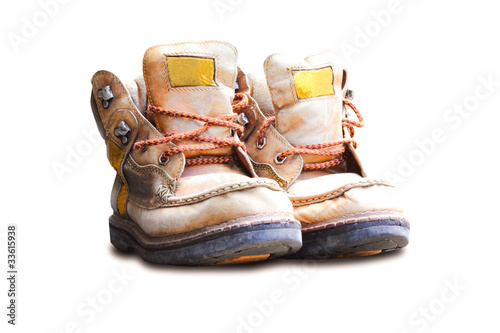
<point x="258" y="89"/>
<point x="196" y="179"/>
<point x="311" y="120"/>
<point x="115" y="191"/>
<point x="206" y="194"/>
<point x="343" y="202"/>
<point x="263" y="158"/>
<point x="144" y="181"/>
<point x="123" y="101"/>
<point x="317" y="196"/>
<point x="316" y="183"/>
<point x="114" y="119"/>
<point x="212" y="211"/>
<point x="210" y="101"/>
<point x="138" y="93"/>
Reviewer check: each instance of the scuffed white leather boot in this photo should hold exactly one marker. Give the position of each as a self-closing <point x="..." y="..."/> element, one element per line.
<point x="302" y="137"/>
<point x="185" y="191"/>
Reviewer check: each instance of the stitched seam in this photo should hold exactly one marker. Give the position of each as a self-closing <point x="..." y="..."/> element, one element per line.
<point x="172" y="202"/>
<point x="356" y="218"/>
<point x="223" y="226"/>
<point x="123" y="90"/>
<point x="186" y="43"/>
<point x="227" y="189"/>
<point x="146" y="169"/>
<point x="145" y="77"/>
<point x="359" y="215"/>
<point x="312" y="99"/>
<point x="100" y="109"/>
<point x="264" y="166"/>
<point x="207" y="88"/>
<point x="312" y="229"/>
<point x="291" y="83"/>
<point x="341" y="191"/>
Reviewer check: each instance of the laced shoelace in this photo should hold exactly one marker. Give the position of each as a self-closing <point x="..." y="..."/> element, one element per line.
<point x="209" y="142"/>
<point x="313" y="149"/>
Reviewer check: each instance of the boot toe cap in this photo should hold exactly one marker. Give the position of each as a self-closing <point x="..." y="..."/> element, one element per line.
<point x="353" y="197"/>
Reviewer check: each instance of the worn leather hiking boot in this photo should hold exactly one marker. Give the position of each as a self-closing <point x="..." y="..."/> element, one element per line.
<point x="185" y="191"/>
<point x="301" y="136"/>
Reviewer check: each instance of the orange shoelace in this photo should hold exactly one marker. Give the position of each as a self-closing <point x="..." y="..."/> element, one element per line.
<point x="312" y="149"/>
<point x="210" y="142"/>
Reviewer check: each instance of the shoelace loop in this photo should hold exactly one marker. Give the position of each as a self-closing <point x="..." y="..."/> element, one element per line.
<point x="313" y="149"/>
<point x="209" y="142"/>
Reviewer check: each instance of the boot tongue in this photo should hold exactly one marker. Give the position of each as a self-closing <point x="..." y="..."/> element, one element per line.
<point x="193" y="77"/>
<point x="307" y="98"/>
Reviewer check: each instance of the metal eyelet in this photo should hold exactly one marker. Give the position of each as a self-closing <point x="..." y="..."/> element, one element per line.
<point x="242" y="119"/>
<point x="106" y="95"/>
<point x="277" y="161"/>
<point x="261" y="146"/>
<point x="161" y="162"/>
<point x="122" y="132"/>
<point x="349" y="94"/>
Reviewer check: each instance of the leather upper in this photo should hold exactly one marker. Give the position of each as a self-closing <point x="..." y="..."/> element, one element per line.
<point x="175" y="198"/>
<point x="210" y="100"/>
<point x="306" y="120"/>
<point x="311" y="112"/>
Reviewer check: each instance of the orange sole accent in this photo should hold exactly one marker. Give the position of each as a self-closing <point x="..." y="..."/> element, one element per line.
<point x="359" y="254"/>
<point x="242" y="259"/>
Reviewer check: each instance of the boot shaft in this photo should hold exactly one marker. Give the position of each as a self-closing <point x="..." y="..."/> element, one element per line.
<point x="195" y="77"/>
<point x="302" y="107"/>
<point x="307" y="97"/>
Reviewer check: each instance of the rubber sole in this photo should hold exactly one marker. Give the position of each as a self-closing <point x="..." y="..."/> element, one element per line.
<point x="354" y="239"/>
<point x="247" y="239"/>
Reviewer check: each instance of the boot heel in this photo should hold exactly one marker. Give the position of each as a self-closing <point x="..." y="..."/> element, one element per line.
<point x="120" y="239"/>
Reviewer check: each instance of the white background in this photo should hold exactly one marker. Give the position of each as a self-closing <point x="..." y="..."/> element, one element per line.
<point x="408" y="70"/>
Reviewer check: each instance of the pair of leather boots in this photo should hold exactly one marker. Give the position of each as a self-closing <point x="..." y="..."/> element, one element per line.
<point x="214" y="166"/>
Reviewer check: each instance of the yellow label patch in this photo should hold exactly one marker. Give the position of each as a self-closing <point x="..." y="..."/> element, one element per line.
<point x="313" y="83"/>
<point x="190" y="71"/>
